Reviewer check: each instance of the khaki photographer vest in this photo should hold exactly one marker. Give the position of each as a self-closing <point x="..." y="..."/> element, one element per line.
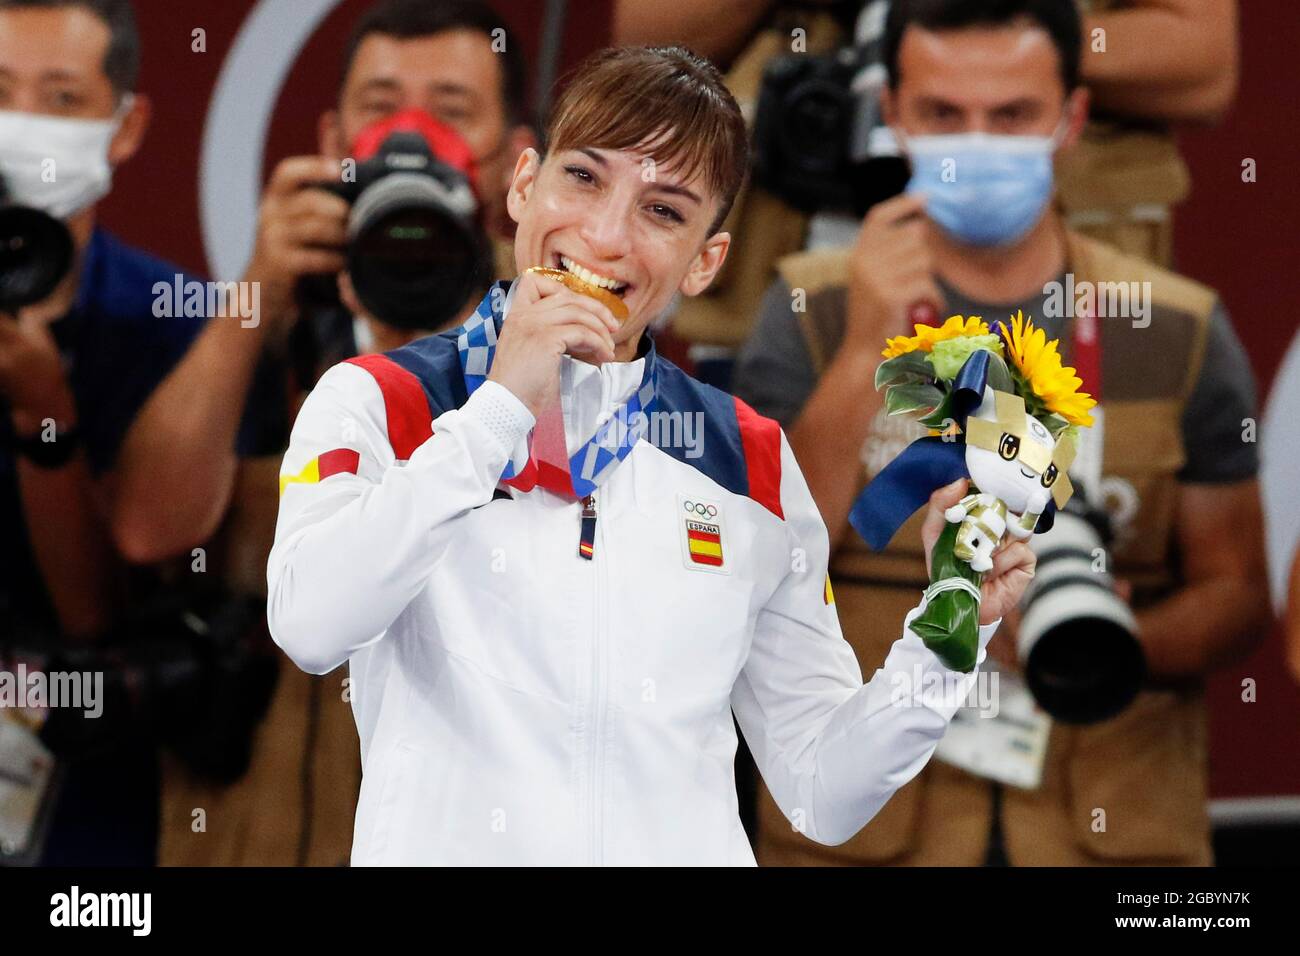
<point x="1121" y="181"/>
<point x="1145" y="770"/>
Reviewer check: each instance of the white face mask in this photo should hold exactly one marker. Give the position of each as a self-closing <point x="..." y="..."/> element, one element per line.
<point x="56" y="164"/>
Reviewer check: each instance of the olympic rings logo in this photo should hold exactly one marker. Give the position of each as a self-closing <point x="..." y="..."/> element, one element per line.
<point x="701" y="509"/>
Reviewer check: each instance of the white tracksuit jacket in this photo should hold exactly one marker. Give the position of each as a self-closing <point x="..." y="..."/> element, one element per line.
<point x="518" y="704"/>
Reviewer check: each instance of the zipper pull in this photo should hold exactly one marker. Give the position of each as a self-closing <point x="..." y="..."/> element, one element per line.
<point x="587" y="538"/>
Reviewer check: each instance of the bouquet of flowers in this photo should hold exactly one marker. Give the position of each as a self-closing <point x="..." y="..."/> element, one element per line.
<point x="1002" y="411"/>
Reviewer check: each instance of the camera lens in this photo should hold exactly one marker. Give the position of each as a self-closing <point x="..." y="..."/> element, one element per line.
<point x="1081" y="658"/>
<point x="817" y="112"/>
<point x="414" y="261"/>
<point x="35" y="254"/>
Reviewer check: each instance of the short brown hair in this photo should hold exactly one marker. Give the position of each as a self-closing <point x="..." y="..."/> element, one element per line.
<point x="666" y="98"/>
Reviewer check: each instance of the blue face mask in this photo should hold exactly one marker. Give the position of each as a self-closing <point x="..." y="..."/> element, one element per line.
<point x="983" y="189"/>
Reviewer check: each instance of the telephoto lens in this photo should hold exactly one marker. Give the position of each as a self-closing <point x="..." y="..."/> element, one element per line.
<point x="35" y="253"/>
<point x="1077" y="641"/>
<point x="416" y="249"/>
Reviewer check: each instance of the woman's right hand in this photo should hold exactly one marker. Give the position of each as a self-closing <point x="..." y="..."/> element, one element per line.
<point x="546" y="321"/>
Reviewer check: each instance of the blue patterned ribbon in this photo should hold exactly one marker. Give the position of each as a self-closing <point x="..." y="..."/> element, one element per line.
<point x="595" y="461"/>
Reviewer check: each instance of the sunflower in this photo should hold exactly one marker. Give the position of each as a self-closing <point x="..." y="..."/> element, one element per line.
<point x="927" y="335"/>
<point x="1039" y="364"/>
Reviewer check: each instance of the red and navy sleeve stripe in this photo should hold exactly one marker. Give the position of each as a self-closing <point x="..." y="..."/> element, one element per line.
<point x="410" y="420"/>
<point x="760" y="440"/>
<point x="740" y="449"/>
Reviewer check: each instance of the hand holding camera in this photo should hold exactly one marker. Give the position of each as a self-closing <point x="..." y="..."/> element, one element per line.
<point x="32" y="382"/>
<point x="301" y="231"/>
<point x="400" y="218"/>
<point x="890" y="272"/>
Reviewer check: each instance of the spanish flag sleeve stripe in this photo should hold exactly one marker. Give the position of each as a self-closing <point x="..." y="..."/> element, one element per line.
<point x="336" y="462"/>
<point x="339" y="461"/>
<point x="309" y="475"/>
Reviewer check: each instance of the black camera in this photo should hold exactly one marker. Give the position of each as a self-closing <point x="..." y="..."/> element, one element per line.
<point x="35" y="253"/>
<point x="416" y="248"/>
<point x="195" y="671"/>
<point x="819" y="142"/>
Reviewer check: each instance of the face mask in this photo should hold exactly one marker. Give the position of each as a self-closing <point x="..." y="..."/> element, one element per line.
<point x="56" y="164"/>
<point x="983" y="189"/>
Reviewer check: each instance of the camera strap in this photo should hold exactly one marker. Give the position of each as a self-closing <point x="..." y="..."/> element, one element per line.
<point x="1085" y="339"/>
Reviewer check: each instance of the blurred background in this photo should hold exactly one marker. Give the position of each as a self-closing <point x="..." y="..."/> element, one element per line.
<point x="224" y="116"/>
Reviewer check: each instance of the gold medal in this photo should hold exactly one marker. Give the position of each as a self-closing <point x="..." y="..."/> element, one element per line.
<point x="610" y="300"/>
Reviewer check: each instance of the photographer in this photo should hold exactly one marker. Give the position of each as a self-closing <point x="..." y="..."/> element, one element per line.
<point x="76" y="364"/>
<point x="999" y="93"/>
<point x="438" y="58"/>
<point x="1119" y="183"/>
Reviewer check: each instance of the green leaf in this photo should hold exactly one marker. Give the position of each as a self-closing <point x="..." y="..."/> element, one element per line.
<point x="949" y="626"/>
<point x="999" y="375"/>
<point x="908" y="367"/>
<point x="1055" y="424"/>
<point x="941" y="415"/>
<point x="912" y="397"/>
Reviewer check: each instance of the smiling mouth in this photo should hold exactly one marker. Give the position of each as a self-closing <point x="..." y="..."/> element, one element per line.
<point x="614" y="286"/>
<point x="1027" y="474"/>
<point x="577" y="283"/>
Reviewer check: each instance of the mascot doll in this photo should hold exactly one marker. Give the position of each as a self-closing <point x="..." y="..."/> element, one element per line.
<point x="1003" y="412"/>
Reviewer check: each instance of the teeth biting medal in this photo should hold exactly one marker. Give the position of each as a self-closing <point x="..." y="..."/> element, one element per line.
<point x="576" y="284"/>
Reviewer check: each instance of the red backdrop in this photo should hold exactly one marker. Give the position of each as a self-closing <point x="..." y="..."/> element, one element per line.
<point x="1243" y="239"/>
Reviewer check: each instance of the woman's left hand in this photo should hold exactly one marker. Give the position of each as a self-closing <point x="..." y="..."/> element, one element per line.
<point x="1013" y="563"/>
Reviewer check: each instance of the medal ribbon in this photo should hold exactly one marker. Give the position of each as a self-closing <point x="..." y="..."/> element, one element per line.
<point x="592" y="463"/>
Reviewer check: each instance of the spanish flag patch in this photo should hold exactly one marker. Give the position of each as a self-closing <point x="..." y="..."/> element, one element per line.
<point x="828" y="596"/>
<point x="703" y="535"/>
<point x="336" y="462"/>
<point x="704" y="542"/>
